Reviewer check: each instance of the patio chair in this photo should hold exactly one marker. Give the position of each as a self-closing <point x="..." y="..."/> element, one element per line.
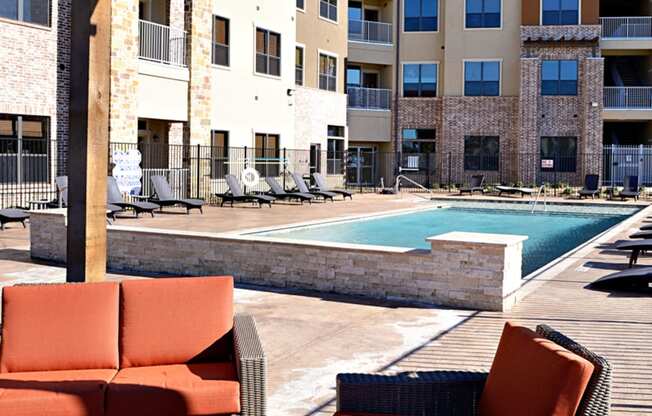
<point x="477" y="185"/>
<point x="591" y="187"/>
<point x="114" y="197"/>
<point x="630" y="189"/>
<point x="631" y="280"/>
<point x="303" y="188"/>
<point x="164" y="196"/>
<point x="9" y="215"/>
<point x="62" y="199"/>
<point x="277" y="191"/>
<point x="322" y="185"/>
<point x="636" y="247"/>
<point x="236" y="194"/>
<point x="515" y="386"/>
<point x="511" y="190"/>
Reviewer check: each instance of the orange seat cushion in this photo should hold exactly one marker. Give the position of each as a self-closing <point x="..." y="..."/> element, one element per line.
<point x="175" y="321"/>
<point x="59" y="327"/>
<point x="54" y="393"/>
<point x="533" y="376"/>
<point x="180" y="389"/>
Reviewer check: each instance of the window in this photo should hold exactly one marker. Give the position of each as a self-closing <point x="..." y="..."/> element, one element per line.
<point x="421" y="16"/>
<point x="559" y="154"/>
<point x="559" y="78"/>
<point x="219" y="153"/>
<point x="220" y="41"/>
<point x="482" y="79"/>
<point x="298" y="71"/>
<point x="301" y="4"/>
<point x="30" y="11"/>
<point x="560" y="12"/>
<point x="328" y="9"/>
<point x="268" y="154"/>
<point x="420" y="80"/>
<point x="419" y="140"/>
<point x="268" y="52"/>
<point x="24" y="149"/>
<point x="335" y="151"/>
<point x="482" y="14"/>
<point x="481" y="153"/>
<point x="327" y="72"/>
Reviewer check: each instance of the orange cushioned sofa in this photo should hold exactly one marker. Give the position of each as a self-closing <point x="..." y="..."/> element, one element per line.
<point x="141" y="347"/>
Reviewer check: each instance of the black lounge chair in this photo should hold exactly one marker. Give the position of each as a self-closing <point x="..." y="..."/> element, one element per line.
<point x="236" y="194"/>
<point x="511" y="190"/>
<point x="632" y="280"/>
<point x="164" y="197"/>
<point x="636" y="247"/>
<point x="631" y="188"/>
<point x="303" y="188"/>
<point x="646" y="227"/>
<point x="62" y="199"/>
<point x="477" y="185"/>
<point x="114" y="197"/>
<point x="591" y="187"/>
<point x="322" y="186"/>
<point x="277" y="191"/>
<point x="12" y="215"/>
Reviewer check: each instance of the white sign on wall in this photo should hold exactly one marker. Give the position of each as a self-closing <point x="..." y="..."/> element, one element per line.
<point x="547" y="164"/>
<point x="127" y="171"/>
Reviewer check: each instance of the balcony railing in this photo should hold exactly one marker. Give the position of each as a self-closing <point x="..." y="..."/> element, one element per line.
<point x="369" y="98"/>
<point x="162" y="44"/>
<point x="628" y="98"/>
<point x="626" y="27"/>
<point x="371" y="32"/>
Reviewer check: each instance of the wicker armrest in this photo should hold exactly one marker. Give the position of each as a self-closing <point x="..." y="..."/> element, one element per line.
<point x="251" y="365"/>
<point x="411" y="394"/>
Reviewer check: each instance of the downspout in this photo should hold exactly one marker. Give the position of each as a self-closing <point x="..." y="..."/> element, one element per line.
<point x="397" y="152"/>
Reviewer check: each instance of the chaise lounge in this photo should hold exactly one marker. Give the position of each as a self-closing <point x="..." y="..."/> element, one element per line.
<point x="114" y="197"/>
<point x="636" y="247"/>
<point x="631" y="280"/>
<point x="141" y="347"/>
<point x="322" y="186"/>
<point x="9" y="215"/>
<point x="630" y="189"/>
<point x="591" y="187"/>
<point x="62" y="199"/>
<point x="164" y="196"/>
<point x="511" y="190"/>
<point x="303" y="188"/>
<point x="477" y="185"/>
<point x="277" y="191"/>
<point x="236" y="194"/>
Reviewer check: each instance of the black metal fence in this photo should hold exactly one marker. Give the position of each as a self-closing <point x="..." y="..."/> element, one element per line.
<point x="28" y="168"/>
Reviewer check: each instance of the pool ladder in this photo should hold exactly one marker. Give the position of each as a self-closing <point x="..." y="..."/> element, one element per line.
<point x="418" y="185"/>
<point x="542" y="191"/>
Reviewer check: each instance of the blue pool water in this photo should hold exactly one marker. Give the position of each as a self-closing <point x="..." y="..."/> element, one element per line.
<point x="550" y="234"/>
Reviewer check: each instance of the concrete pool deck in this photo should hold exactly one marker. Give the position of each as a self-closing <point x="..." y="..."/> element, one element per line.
<point x="309" y="338"/>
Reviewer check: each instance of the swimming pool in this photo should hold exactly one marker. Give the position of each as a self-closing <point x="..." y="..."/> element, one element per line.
<point x="550" y="234"/>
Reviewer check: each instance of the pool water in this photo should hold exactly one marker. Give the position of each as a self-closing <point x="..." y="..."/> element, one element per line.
<point x="550" y="234"/>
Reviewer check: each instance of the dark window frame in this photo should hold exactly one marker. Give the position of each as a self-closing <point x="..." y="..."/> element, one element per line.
<point x="327" y="82"/>
<point x="25" y="153"/>
<point x="423" y="23"/>
<point x="335" y="155"/>
<point x="19" y="15"/>
<point x="329" y="10"/>
<point x="477" y="156"/>
<point x="224" y="47"/>
<point x="267" y="152"/>
<point x="421" y="91"/>
<point x="299" y="69"/>
<point x="301" y="7"/>
<point x="559" y="86"/>
<point x="265" y="59"/>
<point x="561" y="16"/>
<point x="563" y="161"/>
<point x="219" y="155"/>
<point x="486" y="20"/>
<point x="485" y="86"/>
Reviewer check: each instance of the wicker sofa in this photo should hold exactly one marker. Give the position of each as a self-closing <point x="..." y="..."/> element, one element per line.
<point x="140" y="347"/>
<point x="456" y="393"/>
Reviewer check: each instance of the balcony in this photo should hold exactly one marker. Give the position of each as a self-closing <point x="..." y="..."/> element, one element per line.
<point x="375" y="99"/>
<point x="628" y="98"/>
<point x="162" y="44"/>
<point x="370" y="32"/>
<point x="626" y="27"/>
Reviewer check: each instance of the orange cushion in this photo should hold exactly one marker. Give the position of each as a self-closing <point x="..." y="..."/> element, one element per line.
<point x="533" y="376"/>
<point x="175" y="321"/>
<point x="55" y="393"/>
<point x="59" y="327"/>
<point x="180" y="389"/>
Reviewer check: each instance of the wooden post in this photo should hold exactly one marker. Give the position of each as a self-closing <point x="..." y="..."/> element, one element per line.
<point x="89" y="140"/>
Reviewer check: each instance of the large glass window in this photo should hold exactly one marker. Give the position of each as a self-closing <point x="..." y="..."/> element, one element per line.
<point x="481" y="153"/>
<point x="560" y="12"/>
<point x="268" y="151"/>
<point x="219" y="153"/>
<point x="220" y="41"/>
<point x="419" y="140"/>
<point x="482" y="13"/>
<point x="335" y="151"/>
<point x="328" y="9"/>
<point x="353" y="76"/>
<point x="482" y="78"/>
<point x="420" y="80"/>
<point x="559" y="154"/>
<point x="421" y="16"/>
<point x="268" y="52"/>
<point x="31" y="11"/>
<point x="298" y="72"/>
<point x="559" y="78"/>
<point x="327" y="72"/>
<point x="24" y="148"/>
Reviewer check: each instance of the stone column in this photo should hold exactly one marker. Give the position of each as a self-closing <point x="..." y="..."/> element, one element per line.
<point x="592" y="126"/>
<point x="176" y="14"/>
<point x="528" y="143"/>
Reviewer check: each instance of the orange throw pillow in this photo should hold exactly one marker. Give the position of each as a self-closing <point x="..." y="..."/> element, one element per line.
<point x="533" y="376"/>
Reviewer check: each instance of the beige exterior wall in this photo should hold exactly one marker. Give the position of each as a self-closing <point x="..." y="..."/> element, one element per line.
<point x="162" y="92"/>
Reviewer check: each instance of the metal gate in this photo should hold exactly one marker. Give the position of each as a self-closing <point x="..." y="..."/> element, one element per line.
<point x="622" y="161"/>
<point x="361" y="167"/>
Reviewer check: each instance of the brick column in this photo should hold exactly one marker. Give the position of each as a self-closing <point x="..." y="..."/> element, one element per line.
<point x="592" y="126"/>
<point x="123" y="116"/>
<point x="528" y="143"/>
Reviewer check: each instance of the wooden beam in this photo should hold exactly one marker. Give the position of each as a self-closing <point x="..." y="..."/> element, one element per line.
<point x="89" y="140"/>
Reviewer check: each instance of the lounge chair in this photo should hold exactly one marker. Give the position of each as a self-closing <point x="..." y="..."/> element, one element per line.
<point x="62" y="199"/>
<point x="277" y="191"/>
<point x="164" y="197"/>
<point x="477" y="185"/>
<point x="322" y="185"/>
<point x="511" y="190"/>
<point x="631" y="188"/>
<point x="646" y="227"/>
<point x="303" y="188"/>
<point x="114" y="197"/>
<point x="591" y="187"/>
<point x="236" y="194"/>
<point x="12" y="215"/>
<point x="636" y="247"/>
<point x="642" y="235"/>
<point x="637" y="279"/>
